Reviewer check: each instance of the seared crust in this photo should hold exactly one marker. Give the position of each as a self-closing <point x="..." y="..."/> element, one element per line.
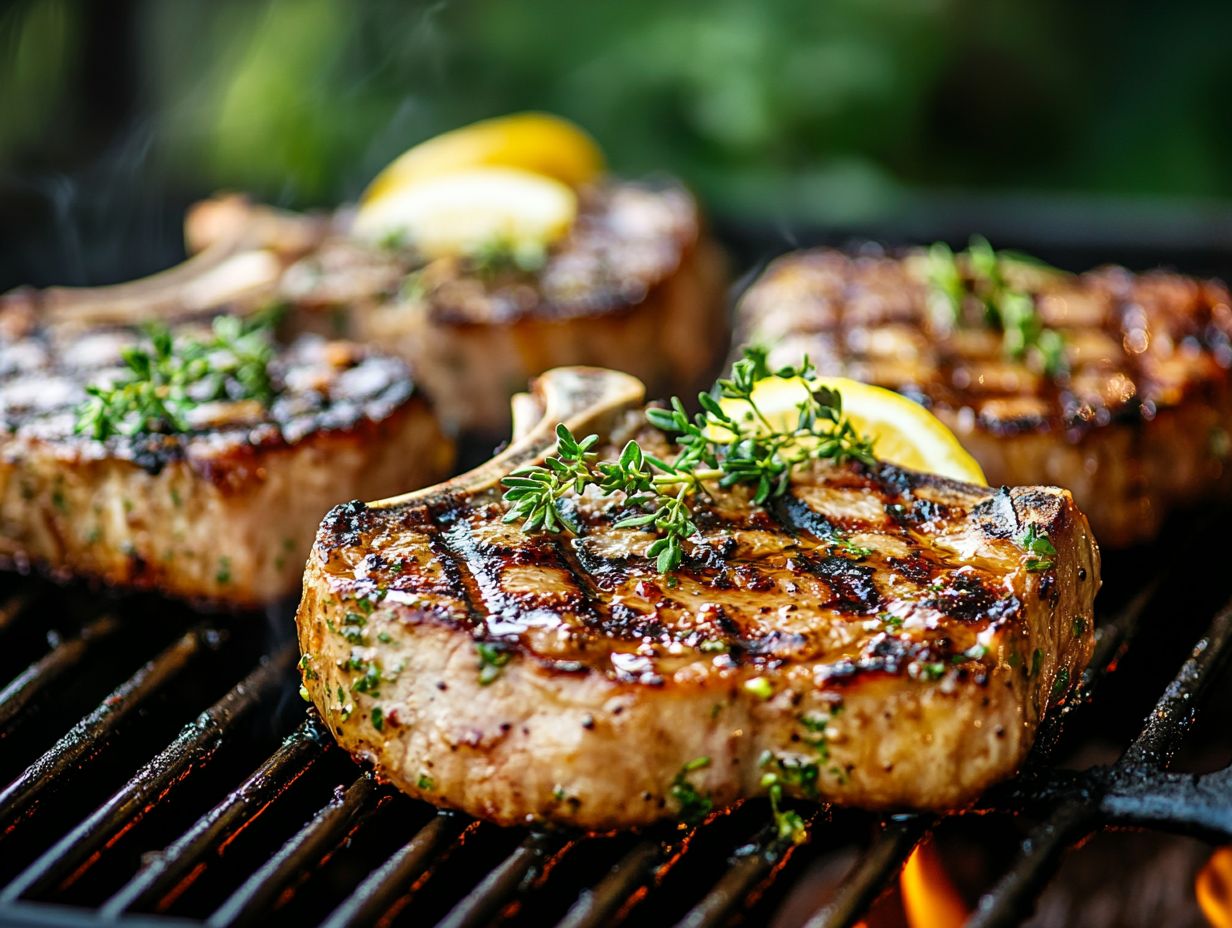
<point x="637" y="285"/>
<point x="912" y="674"/>
<point x="1138" y="427"/>
<point x="224" y="513"/>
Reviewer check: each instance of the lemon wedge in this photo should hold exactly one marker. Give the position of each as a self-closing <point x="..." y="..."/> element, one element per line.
<point x="460" y="213"/>
<point x="534" y="142"/>
<point x="903" y="432"/>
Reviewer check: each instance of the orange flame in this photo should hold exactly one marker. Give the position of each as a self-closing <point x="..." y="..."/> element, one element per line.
<point x="1213" y="887"/>
<point x="929" y="898"/>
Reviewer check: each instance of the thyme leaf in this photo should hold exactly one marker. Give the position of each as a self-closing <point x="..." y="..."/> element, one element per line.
<point x="506" y="255"/>
<point x="166" y="378"/>
<point x="980" y="273"/>
<point x="492" y="660"/>
<point x="1041" y="554"/>
<point x="752" y="452"/>
<point x="694" y="805"/>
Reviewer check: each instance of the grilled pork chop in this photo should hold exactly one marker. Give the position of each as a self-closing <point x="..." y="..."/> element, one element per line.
<point x="636" y="285"/>
<point x="225" y="512"/>
<point x="875" y="637"/>
<point x="1136" y="427"/>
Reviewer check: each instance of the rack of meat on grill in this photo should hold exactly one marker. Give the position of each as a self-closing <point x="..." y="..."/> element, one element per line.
<point x="765" y="649"/>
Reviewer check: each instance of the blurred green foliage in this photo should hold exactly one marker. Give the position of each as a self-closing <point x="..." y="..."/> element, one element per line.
<point x="779" y="106"/>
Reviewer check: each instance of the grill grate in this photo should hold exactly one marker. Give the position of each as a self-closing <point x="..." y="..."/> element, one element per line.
<point x="191" y="787"/>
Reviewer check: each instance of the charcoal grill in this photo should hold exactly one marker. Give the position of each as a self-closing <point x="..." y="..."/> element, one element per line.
<point x="161" y="770"/>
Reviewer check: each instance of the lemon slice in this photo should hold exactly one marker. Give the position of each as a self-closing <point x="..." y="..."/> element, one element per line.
<point x="534" y="142"/>
<point x="462" y="212"/>
<point x="903" y="432"/>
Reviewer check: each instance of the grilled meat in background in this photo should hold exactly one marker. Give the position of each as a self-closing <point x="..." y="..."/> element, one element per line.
<point x="1135" y="419"/>
<point x="637" y="284"/>
<point x="876" y="637"/>
<point x="223" y="510"/>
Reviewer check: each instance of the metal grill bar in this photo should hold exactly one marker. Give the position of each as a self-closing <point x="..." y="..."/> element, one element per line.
<point x="597" y="906"/>
<point x="55" y="664"/>
<point x="311" y="846"/>
<point x="1181" y="802"/>
<point x="153" y="883"/>
<point x="193" y="748"/>
<point x="745" y="872"/>
<point x="377" y="894"/>
<point x="1135" y="791"/>
<point x="900" y="835"/>
<point x="491" y="895"/>
<point x="86" y="736"/>
<point x="1177" y="708"/>
<point x="873" y="871"/>
<point x="1150" y="753"/>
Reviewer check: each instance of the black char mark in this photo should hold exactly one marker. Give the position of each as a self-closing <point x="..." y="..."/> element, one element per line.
<point x="851" y="584"/>
<point x="997" y="515"/>
<point x="348" y="524"/>
<point x="797" y="516"/>
<point x="966" y="598"/>
<point x="486" y="563"/>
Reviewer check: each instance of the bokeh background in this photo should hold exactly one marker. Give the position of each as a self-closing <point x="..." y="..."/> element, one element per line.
<point x="1104" y="127"/>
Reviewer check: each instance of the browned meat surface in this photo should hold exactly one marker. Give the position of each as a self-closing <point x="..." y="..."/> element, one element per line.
<point x="225" y="512"/>
<point x="1138" y="426"/>
<point x="876" y="637"/>
<point x="636" y="285"/>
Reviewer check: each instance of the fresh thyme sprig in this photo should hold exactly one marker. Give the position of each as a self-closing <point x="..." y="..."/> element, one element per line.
<point x="1005" y="306"/>
<point x="506" y="255"/>
<point x="750" y="451"/>
<point x="165" y="379"/>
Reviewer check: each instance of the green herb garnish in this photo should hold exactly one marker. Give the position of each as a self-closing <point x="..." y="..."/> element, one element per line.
<point x="1041" y="555"/>
<point x="504" y="254"/>
<point x="492" y="660"/>
<point x="927" y="670"/>
<point x="694" y="806"/>
<point x="1061" y="683"/>
<point x="170" y="376"/>
<point x="752" y="452"/>
<point x="789" y="826"/>
<point x="979" y="272"/>
<point x="369" y="680"/>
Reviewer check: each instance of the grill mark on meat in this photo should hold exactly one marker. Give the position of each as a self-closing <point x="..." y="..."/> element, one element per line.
<point x="776" y="643"/>
<point x="605" y="573"/>
<point x="850" y="584"/>
<point x="222" y="513"/>
<point x="567" y="553"/>
<point x="346" y="524"/>
<point x="890" y="656"/>
<point x="477" y="579"/>
<point x="1126" y="427"/>
<point x="765" y="625"/>
<point x="895" y="484"/>
<point x="462" y="584"/>
<point x="624" y="623"/>
<point x="967" y="598"/>
<point x="914" y="568"/>
<point x="490" y="564"/>
<point x="796" y="517"/>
